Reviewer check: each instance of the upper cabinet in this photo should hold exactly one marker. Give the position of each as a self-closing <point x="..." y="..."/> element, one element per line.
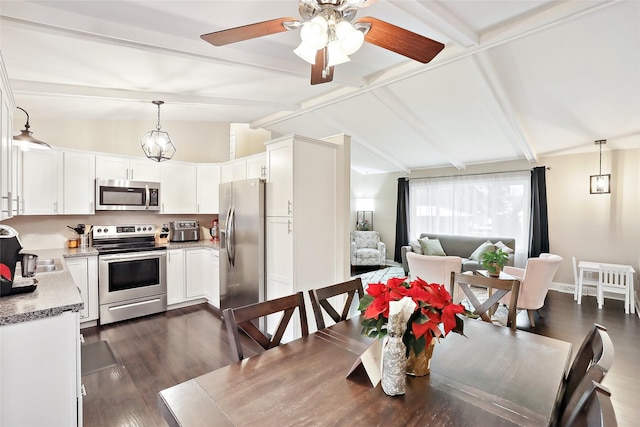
<point x="250" y="167"/>
<point x="8" y="205"/>
<point x="257" y="166"/>
<point x="79" y="174"/>
<point x="178" y="188"/>
<point x="41" y="182"/>
<point x="127" y="168"/>
<point x="207" y="181"/>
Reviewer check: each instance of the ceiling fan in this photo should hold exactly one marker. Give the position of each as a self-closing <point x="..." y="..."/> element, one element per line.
<point x="329" y="34"/>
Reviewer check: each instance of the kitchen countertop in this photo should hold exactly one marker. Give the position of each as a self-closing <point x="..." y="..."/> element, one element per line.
<point x="56" y="291"/>
<point x="55" y="294"/>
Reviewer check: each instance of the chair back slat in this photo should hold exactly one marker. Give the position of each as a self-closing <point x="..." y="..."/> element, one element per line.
<point x="499" y="288"/>
<point x="319" y="300"/>
<point x="244" y="318"/>
<point x="594" y="409"/>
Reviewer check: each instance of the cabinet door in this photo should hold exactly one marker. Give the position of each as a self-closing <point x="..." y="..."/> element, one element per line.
<point x="40" y="184"/>
<point x="226" y="172"/>
<point x="78" y="183"/>
<point x="279" y="192"/>
<point x="175" y="276"/>
<point x="280" y="262"/>
<point x="208" y="180"/>
<point x="257" y="167"/>
<point x="85" y="275"/>
<point x="112" y="167"/>
<point x="239" y="170"/>
<point x="6" y="142"/>
<point x="144" y="170"/>
<point x="178" y="190"/>
<point x="198" y="272"/>
<point x="213" y="286"/>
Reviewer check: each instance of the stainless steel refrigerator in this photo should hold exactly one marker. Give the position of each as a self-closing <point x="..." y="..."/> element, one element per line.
<point x="242" y="243"/>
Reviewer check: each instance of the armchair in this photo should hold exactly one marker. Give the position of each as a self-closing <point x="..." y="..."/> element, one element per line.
<point x="367" y="249"/>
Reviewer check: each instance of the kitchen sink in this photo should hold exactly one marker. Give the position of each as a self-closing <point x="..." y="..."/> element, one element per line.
<point x="48" y="265"/>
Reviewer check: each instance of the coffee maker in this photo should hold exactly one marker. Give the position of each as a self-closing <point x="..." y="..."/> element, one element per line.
<point x="10" y="247"/>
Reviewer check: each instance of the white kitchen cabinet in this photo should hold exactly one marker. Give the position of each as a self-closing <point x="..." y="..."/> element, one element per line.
<point x="198" y="269"/>
<point x="207" y="181"/>
<point x="239" y="169"/>
<point x="40" y="372"/>
<point x="226" y="172"/>
<point x="302" y="204"/>
<point x="127" y="168"/>
<point x="79" y="174"/>
<point x="212" y="289"/>
<point x="175" y="276"/>
<point x="257" y="166"/>
<point x="84" y="271"/>
<point x="178" y="188"/>
<point x="7" y="173"/>
<point x="41" y="182"/>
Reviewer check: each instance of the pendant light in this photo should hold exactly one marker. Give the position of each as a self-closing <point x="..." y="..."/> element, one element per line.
<point x="27" y="142"/>
<point x="157" y="144"/>
<point x="600" y="184"/>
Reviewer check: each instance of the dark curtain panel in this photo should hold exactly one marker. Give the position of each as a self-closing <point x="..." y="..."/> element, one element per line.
<point x="539" y="228"/>
<point x="402" y="218"/>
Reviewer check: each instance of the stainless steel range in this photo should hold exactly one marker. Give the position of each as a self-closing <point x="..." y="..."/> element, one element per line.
<point x="132" y="271"/>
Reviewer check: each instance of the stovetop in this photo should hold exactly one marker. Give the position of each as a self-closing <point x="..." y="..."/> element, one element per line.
<point x="115" y="239"/>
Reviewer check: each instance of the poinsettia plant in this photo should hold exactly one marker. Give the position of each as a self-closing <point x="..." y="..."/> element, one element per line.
<point x="434" y="307"/>
<point x="5" y="273"/>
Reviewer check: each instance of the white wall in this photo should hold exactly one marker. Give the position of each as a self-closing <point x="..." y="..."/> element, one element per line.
<point x="603" y="228"/>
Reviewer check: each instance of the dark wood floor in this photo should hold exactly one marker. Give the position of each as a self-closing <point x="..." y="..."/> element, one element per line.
<point x="159" y="351"/>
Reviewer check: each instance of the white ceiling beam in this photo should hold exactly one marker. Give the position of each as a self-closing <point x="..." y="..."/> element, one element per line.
<point x="437" y="17"/>
<point x="406" y="115"/>
<point x="488" y="72"/>
<point x="74" y="91"/>
<point x="363" y="142"/>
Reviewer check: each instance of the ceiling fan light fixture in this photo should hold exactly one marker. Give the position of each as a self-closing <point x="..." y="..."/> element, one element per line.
<point x="350" y="39"/>
<point x="306" y="52"/>
<point x="157" y="144"/>
<point x="314" y="33"/>
<point x="335" y="54"/>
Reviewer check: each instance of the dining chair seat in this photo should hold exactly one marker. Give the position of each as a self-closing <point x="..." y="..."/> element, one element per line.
<point x="245" y="319"/>
<point x="320" y="300"/>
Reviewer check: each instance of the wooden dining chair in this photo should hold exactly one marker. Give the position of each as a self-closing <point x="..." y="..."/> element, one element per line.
<point x="614" y="279"/>
<point x="594" y="409"/>
<point x="591" y="363"/>
<point x="244" y="318"/>
<point x="497" y="289"/>
<point x="319" y="300"/>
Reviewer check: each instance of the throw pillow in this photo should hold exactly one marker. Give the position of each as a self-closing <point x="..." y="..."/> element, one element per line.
<point x="431" y="247"/>
<point x="504" y="248"/>
<point x="484" y="247"/>
<point x="415" y="247"/>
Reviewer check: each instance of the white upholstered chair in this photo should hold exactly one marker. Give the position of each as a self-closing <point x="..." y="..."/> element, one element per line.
<point x="367" y="249"/>
<point x="535" y="280"/>
<point x="435" y="269"/>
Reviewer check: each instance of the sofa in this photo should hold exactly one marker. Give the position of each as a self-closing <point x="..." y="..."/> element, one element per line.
<point x="462" y="246"/>
<point x="367" y="249"/>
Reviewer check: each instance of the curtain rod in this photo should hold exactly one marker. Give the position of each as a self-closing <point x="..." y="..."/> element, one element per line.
<point x="478" y="174"/>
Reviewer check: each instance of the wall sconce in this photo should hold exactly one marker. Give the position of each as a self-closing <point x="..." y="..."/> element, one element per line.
<point x="600" y="184"/>
<point x="157" y="144"/>
<point x="27" y="142"/>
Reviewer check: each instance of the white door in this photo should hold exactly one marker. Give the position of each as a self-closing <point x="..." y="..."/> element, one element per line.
<point x="208" y="181"/>
<point x="279" y="192"/>
<point x="280" y="261"/>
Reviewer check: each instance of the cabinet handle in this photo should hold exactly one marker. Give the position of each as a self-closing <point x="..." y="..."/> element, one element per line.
<point x="55" y="207"/>
<point x="83" y="391"/>
<point x="198" y="208"/>
<point x="8" y="211"/>
<point x="263" y="171"/>
<point x="81" y="339"/>
<point x="289" y="230"/>
<point x="289" y="207"/>
<point x="18" y="204"/>
<point x="131" y="174"/>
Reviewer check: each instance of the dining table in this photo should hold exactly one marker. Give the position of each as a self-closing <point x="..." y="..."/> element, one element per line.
<point x="592" y="267"/>
<point x="491" y="375"/>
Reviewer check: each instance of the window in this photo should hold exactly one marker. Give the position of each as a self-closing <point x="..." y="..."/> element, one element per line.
<point x="494" y="205"/>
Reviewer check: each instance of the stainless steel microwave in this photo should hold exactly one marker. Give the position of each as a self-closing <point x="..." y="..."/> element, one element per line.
<point x="120" y="195"/>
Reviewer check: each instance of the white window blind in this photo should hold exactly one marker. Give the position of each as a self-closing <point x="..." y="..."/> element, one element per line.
<point x="493" y="205"/>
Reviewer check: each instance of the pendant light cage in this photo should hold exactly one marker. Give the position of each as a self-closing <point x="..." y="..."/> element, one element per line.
<point x="601" y="183"/>
<point x="157" y="144"/>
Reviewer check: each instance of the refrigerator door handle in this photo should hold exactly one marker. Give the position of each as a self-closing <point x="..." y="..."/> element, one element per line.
<point x="231" y="234"/>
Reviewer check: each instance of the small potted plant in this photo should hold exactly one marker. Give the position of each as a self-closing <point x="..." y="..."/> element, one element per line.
<point x="494" y="261"/>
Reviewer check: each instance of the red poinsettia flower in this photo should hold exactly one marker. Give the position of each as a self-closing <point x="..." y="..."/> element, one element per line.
<point x="434" y="317"/>
<point x="5" y="272"/>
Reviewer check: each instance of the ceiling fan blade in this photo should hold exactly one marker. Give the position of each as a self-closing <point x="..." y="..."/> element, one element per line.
<point x="399" y="40"/>
<point x="246" y="32"/>
<point x="320" y="73"/>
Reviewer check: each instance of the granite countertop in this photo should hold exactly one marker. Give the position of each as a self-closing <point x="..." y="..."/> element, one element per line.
<point x="56" y="293"/>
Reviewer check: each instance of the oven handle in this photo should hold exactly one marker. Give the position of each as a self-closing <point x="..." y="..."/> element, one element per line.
<point x="133" y="255"/>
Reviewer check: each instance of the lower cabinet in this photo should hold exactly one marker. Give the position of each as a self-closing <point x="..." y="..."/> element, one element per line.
<point x="192" y="274"/>
<point x="84" y="271"/>
<point x="40" y="372"/>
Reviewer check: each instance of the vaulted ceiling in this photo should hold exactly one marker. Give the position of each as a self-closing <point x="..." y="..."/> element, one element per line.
<point x="515" y="81"/>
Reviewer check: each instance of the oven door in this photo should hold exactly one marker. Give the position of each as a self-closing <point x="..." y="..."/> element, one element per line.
<point x="129" y="276"/>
